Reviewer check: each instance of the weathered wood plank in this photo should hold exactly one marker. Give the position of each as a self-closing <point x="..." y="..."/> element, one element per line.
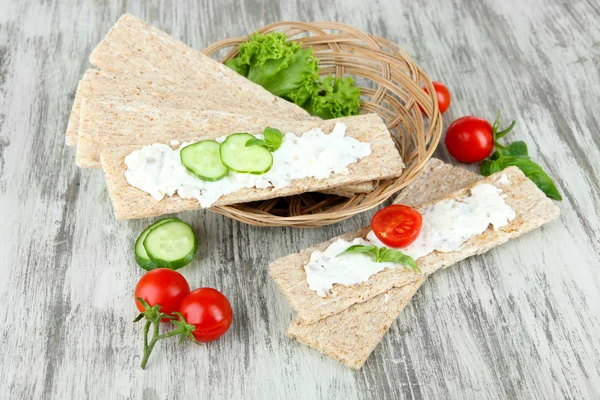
<point x="518" y="322"/>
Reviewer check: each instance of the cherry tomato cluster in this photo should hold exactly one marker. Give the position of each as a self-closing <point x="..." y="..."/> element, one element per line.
<point x="469" y="139"/>
<point x="163" y="295"/>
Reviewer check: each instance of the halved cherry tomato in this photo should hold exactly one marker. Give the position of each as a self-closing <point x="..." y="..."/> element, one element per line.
<point x="397" y="225"/>
<point x="443" y="96"/>
<point x="209" y="311"/>
<point x="164" y="287"/>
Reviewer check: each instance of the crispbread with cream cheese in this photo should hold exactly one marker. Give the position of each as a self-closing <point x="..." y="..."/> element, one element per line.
<point x="351" y="335"/>
<point x="117" y="123"/>
<point x="110" y="123"/>
<point x="384" y="162"/>
<point x="530" y="204"/>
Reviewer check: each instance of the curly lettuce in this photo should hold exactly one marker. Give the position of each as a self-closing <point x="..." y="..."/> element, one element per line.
<point x="288" y="71"/>
<point x="337" y="98"/>
<point x="279" y="66"/>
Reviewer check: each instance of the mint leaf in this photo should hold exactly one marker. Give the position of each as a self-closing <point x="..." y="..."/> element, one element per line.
<point x="383" y="254"/>
<point x="396" y="256"/>
<point x="273" y="138"/>
<point x="256" y="142"/>
<point x="272" y="141"/>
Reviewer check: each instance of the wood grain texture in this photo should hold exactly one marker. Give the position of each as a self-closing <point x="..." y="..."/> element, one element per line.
<point x="519" y="322"/>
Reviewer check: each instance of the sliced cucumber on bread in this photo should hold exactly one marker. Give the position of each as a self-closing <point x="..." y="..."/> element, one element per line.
<point x="245" y="160"/>
<point x="203" y="159"/>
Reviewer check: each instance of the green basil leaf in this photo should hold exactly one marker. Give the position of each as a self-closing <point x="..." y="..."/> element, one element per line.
<point x="396" y="256"/>
<point x="273" y="138"/>
<point x="537" y="174"/>
<point x="532" y="171"/>
<point x="256" y="142"/>
<point x="361" y="248"/>
<point x="515" y="149"/>
<point x="484" y="168"/>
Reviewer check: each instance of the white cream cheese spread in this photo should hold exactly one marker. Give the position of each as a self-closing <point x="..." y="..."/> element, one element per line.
<point x="447" y="225"/>
<point x="158" y="171"/>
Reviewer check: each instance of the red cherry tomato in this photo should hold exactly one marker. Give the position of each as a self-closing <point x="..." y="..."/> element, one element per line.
<point x="209" y="311"/>
<point x="397" y="225"/>
<point x="443" y="96"/>
<point x="164" y="287"/>
<point x="470" y="139"/>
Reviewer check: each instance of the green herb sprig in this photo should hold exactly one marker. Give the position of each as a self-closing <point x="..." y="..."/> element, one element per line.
<point x="272" y="141"/>
<point x="516" y="154"/>
<point x="383" y="254"/>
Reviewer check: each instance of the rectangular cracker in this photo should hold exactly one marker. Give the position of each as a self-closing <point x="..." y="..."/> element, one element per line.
<point x="118" y="122"/>
<point x="162" y="91"/>
<point x="112" y="121"/>
<point x="350" y="336"/>
<point x="383" y="163"/>
<point x="532" y="209"/>
<point x="133" y="46"/>
<point x="127" y="123"/>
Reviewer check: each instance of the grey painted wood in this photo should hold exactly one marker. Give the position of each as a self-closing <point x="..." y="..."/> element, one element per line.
<point x="519" y="322"/>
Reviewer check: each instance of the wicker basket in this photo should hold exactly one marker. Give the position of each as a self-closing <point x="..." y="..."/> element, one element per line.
<point x="391" y="86"/>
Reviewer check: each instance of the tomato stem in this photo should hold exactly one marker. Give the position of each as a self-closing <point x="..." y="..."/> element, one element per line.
<point x="146" y="329"/>
<point x="496" y="134"/>
<point x="153" y="317"/>
<point x="148" y="349"/>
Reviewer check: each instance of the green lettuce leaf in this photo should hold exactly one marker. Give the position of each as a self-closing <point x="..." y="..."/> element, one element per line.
<point x="336" y="98"/>
<point x="278" y="65"/>
<point x="288" y="71"/>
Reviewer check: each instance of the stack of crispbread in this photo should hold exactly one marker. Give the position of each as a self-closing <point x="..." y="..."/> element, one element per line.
<point x="350" y="322"/>
<point x="151" y="88"/>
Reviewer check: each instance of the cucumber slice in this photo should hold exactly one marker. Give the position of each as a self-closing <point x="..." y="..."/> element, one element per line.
<point x="246" y="160"/>
<point x="141" y="256"/>
<point x="171" y="245"/>
<point x="203" y="159"/>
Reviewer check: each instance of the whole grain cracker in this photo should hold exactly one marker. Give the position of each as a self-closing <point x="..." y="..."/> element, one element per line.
<point x="351" y="335"/>
<point x="159" y="91"/>
<point x="133" y="46"/>
<point x="383" y="163"/>
<point x="532" y="209"/>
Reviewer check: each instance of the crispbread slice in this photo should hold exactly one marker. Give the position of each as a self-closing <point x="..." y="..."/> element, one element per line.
<point x="159" y="91"/>
<point x="384" y="162"/>
<point x="532" y="209"/>
<point x="351" y="335"/>
<point x="118" y="123"/>
<point x="351" y="190"/>
<point x="109" y="122"/>
<point x="133" y="46"/>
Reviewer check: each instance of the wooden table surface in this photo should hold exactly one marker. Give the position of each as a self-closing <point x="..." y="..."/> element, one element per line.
<point x="519" y="322"/>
